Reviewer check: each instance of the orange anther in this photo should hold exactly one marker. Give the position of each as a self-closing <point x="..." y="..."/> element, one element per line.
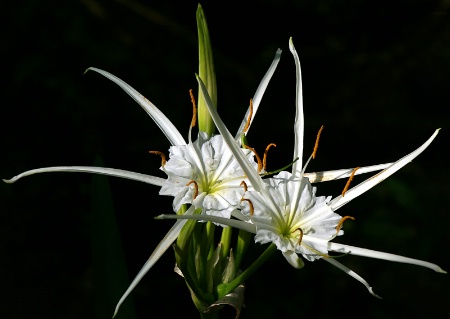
<point x="349" y="181"/>
<point x="243" y="183"/>
<point x="301" y="235"/>
<point x="316" y="146"/>
<point x="265" y="154"/>
<point x="163" y="157"/>
<point x="195" y="186"/>
<point x="258" y="159"/>
<point x="194" y="109"/>
<point x="249" y="118"/>
<point x="341" y="222"/>
<point x="252" y="209"/>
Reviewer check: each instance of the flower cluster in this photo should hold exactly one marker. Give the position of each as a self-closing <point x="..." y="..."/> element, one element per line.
<point x="216" y="180"/>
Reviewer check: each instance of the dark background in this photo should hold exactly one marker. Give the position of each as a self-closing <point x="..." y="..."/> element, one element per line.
<point x="376" y="74"/>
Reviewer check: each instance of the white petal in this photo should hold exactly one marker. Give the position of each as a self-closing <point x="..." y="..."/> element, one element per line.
<point x="342" y="173"/>
<point x="167" y="241"/>
<point x="248" y="168"/>
<point x="215" y="219"/>
<point x="90" y="169"/>
<point x="354" y="192"/>
<point x="299" y="119"/>
<point x="259" y="93"/>
<point x="381" y="255"/>
<point x="351" y="273"/>
<point x="293" y="259"/>
<point x="166" y="126"/>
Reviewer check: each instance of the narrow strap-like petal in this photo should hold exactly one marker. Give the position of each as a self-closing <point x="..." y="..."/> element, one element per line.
<point x="166" y="126"/>
<point x="299" y="118"/>
<point x="354" y="192"/>
<point x="247" y="167"/>
<point x="167" y="241"/>
<point x="350" y="272"/>
<point x="342" y="173"/>
<point x="91" y="169"/>
<point x="259" y="93"/>
<point x="381" y="255"/>
<point x="215" y="219"/>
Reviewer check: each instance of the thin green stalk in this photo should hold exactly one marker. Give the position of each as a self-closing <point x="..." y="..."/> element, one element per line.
<point x="225" y="289"/>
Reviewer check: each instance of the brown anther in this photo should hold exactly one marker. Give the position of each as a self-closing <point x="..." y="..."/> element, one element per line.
<point x="252" y="209"/>
<point x="258" y="159"/>
<point x="195" y="186"/>
<point x="243" y="183"/>
<point x="316" y="146"/>
<point x="194" y="109"/>
<point x="265" y="154"/>
<point x="349" y="181"/>
<point x="249" y="118"/>
<point x="301" y="235"/>
<point x="163" y="157"/>
<point x="341" y="222"/>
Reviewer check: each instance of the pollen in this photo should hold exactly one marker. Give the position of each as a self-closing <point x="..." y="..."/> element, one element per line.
<point x="163" y="157"/>
<point x="194" y="109"/>
<point x="265" y="154"/>
<point x="341" y="222"/>
<point x="250" y="204"/>
<point x="316" y="146"/>
<point x="249" y="118"/>
<point x="195" y="187"/>
<point x="349" y="181"/>
<point x="258" y="159"/>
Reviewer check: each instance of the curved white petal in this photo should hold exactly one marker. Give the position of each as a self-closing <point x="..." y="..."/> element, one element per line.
<point x="354" y="192"/>
<point x="342" y="173"/>
<point x="90" y="169"/>
<point x="299" y="119"/>
<point x="259" y="93"/>
<point x="215" y="219"/>
<point x="381" y="255"/>
<point x="252" y="175"/>
<point x="167" y="241"/>
<point x="166" y="126"/>
<point x="351" y="273"/>
<point x="293" y="259"/>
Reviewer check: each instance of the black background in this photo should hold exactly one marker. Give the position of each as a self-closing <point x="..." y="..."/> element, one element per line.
<point x="376" y="74"/>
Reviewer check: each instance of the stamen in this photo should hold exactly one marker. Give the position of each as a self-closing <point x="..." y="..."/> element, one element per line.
<point x="316" y="146"/>
<point x="195" y="186"/>
<point x="194" y="109"/>
<point x="258" y="159"/>
<point x="265" y="154"/>
<point x="341" y="222"/>
<point x="349" y="181"/>
<point x="250" y="114"/>
<point x="243" y="183"/>
<point x="252" y="209"/>
<point x="301" y="235"/>
<point x="163" y="157"/>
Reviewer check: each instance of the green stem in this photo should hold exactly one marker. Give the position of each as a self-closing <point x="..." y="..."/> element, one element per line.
<point x="225" y="289"/>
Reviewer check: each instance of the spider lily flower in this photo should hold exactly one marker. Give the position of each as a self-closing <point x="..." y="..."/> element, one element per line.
<point x="209" y="170"/>
<point x="284" y="210"/>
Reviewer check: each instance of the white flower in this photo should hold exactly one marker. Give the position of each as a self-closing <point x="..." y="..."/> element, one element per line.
<point x="292" y="217"/>
<point x="206" y="174"/>
<point x="285" y="211"/>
